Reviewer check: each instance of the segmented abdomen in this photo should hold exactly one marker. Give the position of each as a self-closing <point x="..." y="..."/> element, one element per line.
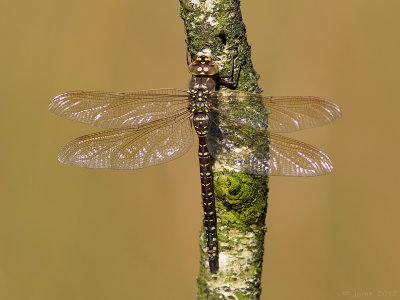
<point x="200" y="122"/>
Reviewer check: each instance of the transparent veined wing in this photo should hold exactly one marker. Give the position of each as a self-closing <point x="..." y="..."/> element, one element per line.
<point x="257" y="151"/>
<point x="131" y="147"/>
<point x="285" y="113"/>
<point x="230" y="147"/>
<point x="291" y="113"/>
<point x="290" y="157"/>
<point x="113" y="110"/>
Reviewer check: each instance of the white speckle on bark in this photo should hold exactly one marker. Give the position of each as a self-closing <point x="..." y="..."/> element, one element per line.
<point x="195" y="2"/>
<point x="209" y="4"/>
<point x="221" y="165"/>
<point x="205" y="51"/>
<point x="200" y="18"/>
<point x="212" y="21"/>
<point x="221" y="57"/>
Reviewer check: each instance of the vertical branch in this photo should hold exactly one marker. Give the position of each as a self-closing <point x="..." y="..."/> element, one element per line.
<point x="217" y="25"/>
<point x="241" y="199"/>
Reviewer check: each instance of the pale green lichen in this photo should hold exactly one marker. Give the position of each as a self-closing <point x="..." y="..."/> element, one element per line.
<point x="212" y="21"/>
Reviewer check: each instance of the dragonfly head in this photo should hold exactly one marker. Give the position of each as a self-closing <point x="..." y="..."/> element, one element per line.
<point x="203" y="65"/>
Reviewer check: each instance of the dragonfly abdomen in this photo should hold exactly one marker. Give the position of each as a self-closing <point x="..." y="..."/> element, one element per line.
<point x="201" y="125"/>
<point x="207" y="192"/>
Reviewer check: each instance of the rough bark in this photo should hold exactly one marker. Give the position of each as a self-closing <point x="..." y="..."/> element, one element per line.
<point x="241" y="199"/>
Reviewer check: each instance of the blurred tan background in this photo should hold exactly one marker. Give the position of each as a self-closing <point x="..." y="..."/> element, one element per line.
<point x="70" y="233"/>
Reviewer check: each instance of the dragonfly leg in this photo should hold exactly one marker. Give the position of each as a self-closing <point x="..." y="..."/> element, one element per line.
<point x="188" y="58"/>
<point x="230" y="75"/>
<point x="234" y="80"/>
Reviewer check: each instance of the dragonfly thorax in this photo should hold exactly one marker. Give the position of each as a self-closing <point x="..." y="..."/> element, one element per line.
<point x="199" y="101"/>
<point x="202" y="83"/>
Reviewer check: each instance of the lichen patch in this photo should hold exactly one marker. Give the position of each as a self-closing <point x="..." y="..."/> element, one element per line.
<point x="212" y="21"/>
<point x="209" y="5"/>
<point x="195" y="3"/>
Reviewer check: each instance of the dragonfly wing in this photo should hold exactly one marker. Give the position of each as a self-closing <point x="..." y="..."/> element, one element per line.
<point x="292" y="113"/>
<point x="239" y="147"/>
<point x="256" y="151"/>
<point x="131" y="148"/>
<point x="113" y="110"/>
<point x="284" y="113"/>
<point x="289" y="157"/>
<point x="242" y="107"/>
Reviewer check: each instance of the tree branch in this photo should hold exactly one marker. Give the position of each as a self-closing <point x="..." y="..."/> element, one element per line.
<point x="241" y="199"/>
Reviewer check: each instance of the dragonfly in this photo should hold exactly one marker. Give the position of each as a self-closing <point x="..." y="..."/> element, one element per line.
<point x="236" y="129"/>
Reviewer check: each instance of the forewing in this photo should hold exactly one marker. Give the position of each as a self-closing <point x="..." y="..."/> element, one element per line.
<point x="284" y="113"/>
<point x="131" y="148"/>
<point x="292" y="113"/>
<point x="112" y="110"/>
<point x="240" y="107"/>
<point x="256" y="151"/>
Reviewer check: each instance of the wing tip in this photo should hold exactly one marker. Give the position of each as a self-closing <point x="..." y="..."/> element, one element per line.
<point x="55" y="103"/>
